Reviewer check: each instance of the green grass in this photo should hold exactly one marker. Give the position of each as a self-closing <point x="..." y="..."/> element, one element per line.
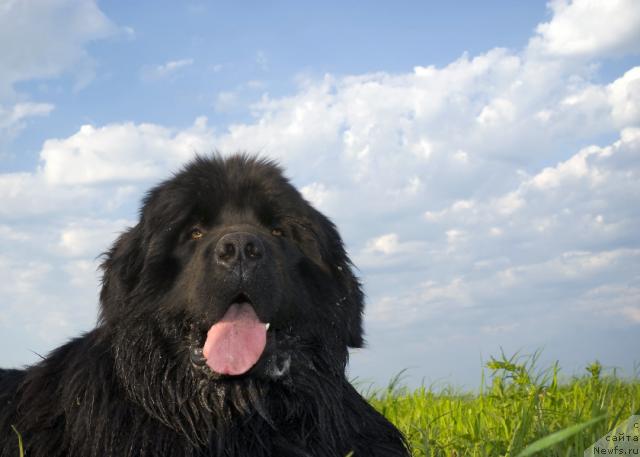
<point x="518" y="411"/>
<point x="20" y="446"/>
<point x="521" y="411"/>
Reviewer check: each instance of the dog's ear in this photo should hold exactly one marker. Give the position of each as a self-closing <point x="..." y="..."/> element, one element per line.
<point x="352" y="301"/>
<point x="121" y="270"/>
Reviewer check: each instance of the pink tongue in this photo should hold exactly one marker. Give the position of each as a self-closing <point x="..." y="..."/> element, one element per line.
<point x="234" y="344"/>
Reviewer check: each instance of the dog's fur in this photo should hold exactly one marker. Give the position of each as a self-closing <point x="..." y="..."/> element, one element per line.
<point x="131" y="386"/>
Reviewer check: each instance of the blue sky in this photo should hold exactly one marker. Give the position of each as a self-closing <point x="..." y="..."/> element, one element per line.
<point x="480" y="158"/>
<point x="227" y="46"/>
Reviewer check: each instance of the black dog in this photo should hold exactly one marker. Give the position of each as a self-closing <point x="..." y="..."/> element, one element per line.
<point x="226" y="314"/>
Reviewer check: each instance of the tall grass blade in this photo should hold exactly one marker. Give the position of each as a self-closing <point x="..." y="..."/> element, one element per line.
<point x="20" y="446"/>
<point x="557" y="437"/>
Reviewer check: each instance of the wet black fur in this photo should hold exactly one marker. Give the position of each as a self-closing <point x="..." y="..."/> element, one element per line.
<point x="130" y="388"/>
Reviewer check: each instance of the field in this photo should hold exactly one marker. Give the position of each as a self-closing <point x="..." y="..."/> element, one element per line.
<point x="519" y="411"/>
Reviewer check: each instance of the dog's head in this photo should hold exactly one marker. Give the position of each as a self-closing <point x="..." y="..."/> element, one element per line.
<point x="230" y="267"/>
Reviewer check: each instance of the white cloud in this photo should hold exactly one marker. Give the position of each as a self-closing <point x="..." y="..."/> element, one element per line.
<point x="50" y="281"/>
<point x="20" y="111"/>
<point x="226" y="101"/>
<point x="455" y="236"/>
<point x="316" y="193"/>
<point x="83" y="273"/>
<point x="582" y="203"/>
<point x="611" y="301"/>
<point x="632" y="312"/>
<point x="100" y="168"/>
<point x="624" y="98"/>
<point x="388" y="252"/>
<point x="453" y="122"/>
<point x="421" y="303"/>
<point x="88" y="237"/>
<point x="121" y="152"/>
<point x="166" y="69"/>
<point x="52" y="37"/>
<point x="385" y="244"/>
<point x="40" y="40"/>
<point x="498" y="112"/>
<point x="500" y="328"/>
<point x="590" y="28"/>
<point x="174" y="65"/>
<point x="36" y="300"/>
<point x="13" y="118"/>
<point x="11" y="234"/>
<point x="18" y="188"/>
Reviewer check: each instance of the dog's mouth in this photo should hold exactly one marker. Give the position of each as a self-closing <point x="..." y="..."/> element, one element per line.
<point x="235" y="343"/>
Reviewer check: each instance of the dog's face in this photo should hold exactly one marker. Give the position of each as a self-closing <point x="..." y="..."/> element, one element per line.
<point x="236" y="272"/>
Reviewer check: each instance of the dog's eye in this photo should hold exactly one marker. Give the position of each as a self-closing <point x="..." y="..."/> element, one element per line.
<point x="196" y="233"/>
<point x="276" y="231"/>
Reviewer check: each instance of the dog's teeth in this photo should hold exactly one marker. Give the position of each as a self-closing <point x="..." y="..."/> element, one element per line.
<point x="267" y="325"/>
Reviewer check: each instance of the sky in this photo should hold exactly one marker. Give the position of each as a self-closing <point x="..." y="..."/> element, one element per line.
<point x="481" y="159"/>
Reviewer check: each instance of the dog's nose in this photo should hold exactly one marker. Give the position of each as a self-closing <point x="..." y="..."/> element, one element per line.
<point x="239" y="249"/>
